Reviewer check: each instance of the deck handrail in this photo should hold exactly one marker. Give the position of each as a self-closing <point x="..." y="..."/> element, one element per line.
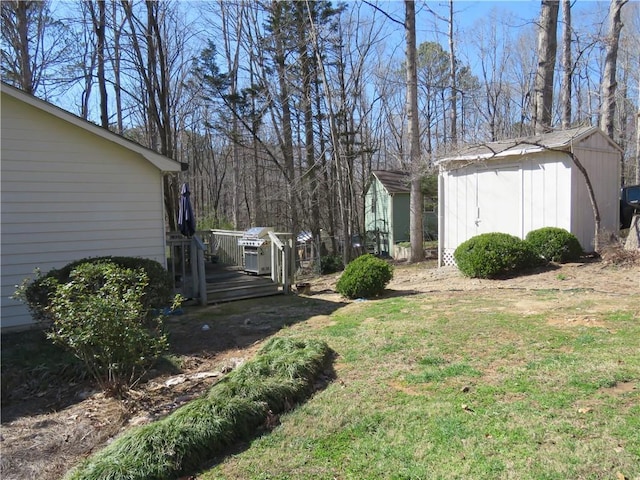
<point x="281" y="259"/>
<point x="186" y="260"/>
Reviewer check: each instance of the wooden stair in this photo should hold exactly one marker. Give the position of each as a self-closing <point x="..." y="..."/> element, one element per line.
<point x="225" y="284"/>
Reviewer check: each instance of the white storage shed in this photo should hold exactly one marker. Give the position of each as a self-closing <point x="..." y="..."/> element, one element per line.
<point x="515" y="186"/>
<point x="72" y="190"/>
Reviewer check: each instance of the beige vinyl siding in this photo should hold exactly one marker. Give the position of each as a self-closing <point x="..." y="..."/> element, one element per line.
<point x="69" y="194"/>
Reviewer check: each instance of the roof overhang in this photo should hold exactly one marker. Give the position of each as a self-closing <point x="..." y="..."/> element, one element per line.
<point x="161" y="162"/>
<point x="560" y="141"/>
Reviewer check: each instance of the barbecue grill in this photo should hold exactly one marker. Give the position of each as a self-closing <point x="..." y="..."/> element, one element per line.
<point x="257" y="250"/>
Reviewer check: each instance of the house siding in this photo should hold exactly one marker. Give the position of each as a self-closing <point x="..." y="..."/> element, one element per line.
<point x="68" y="194"/>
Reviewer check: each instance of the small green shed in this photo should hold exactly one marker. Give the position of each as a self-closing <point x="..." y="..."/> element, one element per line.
<point x="386" y="211"/>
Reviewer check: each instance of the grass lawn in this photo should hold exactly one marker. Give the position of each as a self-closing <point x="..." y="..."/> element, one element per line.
<point x="448" y="385"/>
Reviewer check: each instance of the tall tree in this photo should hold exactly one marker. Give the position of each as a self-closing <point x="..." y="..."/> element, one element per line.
<point x="567" y="64"/>
<point x="453" y="108"/>
<point x="413" y="132"/>
<point x="34" y="46"/>
<point x="99" y="22"/>
<point x="609" y="84"/>
<point x="547" y="46"/>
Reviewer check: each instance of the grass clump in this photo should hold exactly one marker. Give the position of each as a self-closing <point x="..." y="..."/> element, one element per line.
<point x="365" y="277"/>
<point x="555" y="244"/>
<point x="493" y="254"/>
<point x="282" y="374"/>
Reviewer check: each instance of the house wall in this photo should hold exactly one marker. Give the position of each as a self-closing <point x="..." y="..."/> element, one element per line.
<point x="68" y="194"/>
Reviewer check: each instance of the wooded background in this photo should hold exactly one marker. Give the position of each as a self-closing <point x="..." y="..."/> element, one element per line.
<point x="282" y="109"/>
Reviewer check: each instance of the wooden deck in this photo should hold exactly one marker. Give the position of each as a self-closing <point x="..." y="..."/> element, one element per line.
<point x="207" y="271"/>
<point x="227" y="283"/>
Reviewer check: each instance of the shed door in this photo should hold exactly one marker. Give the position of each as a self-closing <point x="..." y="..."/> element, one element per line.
<point x="499" y="201"/>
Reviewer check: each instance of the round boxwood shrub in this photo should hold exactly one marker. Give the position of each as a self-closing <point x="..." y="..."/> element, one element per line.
<point x="365" y="277"/>
<point x="158" y="292"/>
<point x="555" y="244"/>
<point x="492" y="254"/>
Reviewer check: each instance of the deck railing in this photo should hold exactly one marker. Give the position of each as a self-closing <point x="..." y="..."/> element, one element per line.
<point x="187" y="256"/>
<point x="185" y="262"/>
<point x="223" y="245"/>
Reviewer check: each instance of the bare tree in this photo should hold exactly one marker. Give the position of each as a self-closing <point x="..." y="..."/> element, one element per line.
<point x="547" y="45"/>
<point x="34" y="46"/>
<point x="567" y="64"/>
<point x="413" y="132"/>
<point x="98" y="20"/>
<point x="609" y="77"/>
<point x="453" y="108"/>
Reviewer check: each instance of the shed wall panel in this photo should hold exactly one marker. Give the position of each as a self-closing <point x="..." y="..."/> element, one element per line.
<point x="603" y="168"/>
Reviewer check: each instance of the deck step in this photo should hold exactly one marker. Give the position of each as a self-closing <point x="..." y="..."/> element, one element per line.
<point x="225" y="288"/>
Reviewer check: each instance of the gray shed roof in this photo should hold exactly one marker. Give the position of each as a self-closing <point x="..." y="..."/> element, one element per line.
<point x="393" y="181"/>
<point x="557" y="140"/>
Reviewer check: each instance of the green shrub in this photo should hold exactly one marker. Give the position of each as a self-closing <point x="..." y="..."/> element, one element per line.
<point x="331" y="264"/>
<point x="491" y="254"/>
<point x="555" y="244"/>
<point x="366" y="276"/>
<point x="36" y="292"/>
<point x="236" y="408"/>
<point x="99" y="316"/>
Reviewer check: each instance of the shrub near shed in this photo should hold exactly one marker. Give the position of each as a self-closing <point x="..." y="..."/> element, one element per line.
<point x="492" y="254"/>
<point x="555" y="244"/>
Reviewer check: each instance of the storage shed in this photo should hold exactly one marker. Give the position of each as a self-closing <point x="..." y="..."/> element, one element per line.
<point x="72" y="190"/>
<point x="515" y="186"/>
<point x="386" y="211"/>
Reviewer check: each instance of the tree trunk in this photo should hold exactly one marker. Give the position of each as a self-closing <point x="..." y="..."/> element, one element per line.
<point x="98" y="20"/>
<point x="413" y="132"/>
<point x="453" y="108"/>
<point x="306" y="107"/>
<point x="547" y="45"/>
<point x="609" y="84"/>
<point x="567" y="66"/>
<point x="286" y="142"/>
<point x="638" y="139"/>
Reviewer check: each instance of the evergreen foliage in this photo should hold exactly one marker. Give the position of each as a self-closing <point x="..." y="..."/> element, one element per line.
<point x="157" y="291"/>
<point x="99" y="316"/>
<point x="331" y="264"/>
<point x="492" y="254"/>
<point x="555" y="244"/>
<point x="365" y="277"/>
<point x="282" y="374"/>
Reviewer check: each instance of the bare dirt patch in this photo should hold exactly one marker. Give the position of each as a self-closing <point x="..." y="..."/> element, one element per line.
<point x="47" y="427"/>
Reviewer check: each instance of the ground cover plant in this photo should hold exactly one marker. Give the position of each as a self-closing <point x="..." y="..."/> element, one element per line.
<point x="282" y="374"/>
